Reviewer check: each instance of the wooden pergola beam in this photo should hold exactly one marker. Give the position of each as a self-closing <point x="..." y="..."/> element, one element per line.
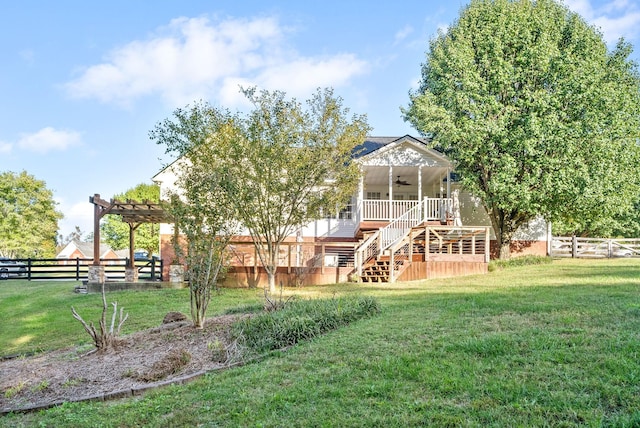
<point x="133" y="213"/>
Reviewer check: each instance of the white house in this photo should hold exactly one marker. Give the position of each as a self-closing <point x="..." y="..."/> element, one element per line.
<point x="409" y="213"/>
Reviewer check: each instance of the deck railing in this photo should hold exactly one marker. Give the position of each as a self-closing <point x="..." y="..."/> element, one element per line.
<point x="385" y="210"/>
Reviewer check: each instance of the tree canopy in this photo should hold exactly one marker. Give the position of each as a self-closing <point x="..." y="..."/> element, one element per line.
<point x="281" y="165"/>
<point x="115" y="232"/>
<point x="539" y="117"/>
<point x="28" y="217"/>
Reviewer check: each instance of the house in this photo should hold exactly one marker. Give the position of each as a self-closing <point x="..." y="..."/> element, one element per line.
<point x="409" y="219"/>
<point x="83" y="250"/>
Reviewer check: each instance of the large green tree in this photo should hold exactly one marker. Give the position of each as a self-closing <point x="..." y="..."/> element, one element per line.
<point x="115" y="232"/>
<point x="281" y="165"/>
<point x="28" y="217"/>
<point x="538" y="115"/>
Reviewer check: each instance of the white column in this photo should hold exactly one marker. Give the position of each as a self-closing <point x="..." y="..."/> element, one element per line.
<point x="390" y="192"/>
<point x="448" y="183"/>
<point x="359" y="203"/>
<point x="420" y="183"/>
<point x="420" y="201"/>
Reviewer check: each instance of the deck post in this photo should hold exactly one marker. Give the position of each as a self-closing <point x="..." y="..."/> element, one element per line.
<point x="487" y="245"/>
<point x="427" y="246"/>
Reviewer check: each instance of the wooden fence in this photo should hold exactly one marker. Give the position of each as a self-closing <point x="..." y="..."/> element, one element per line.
<point x="77" y="269"/>
<point x="594" y="247"/>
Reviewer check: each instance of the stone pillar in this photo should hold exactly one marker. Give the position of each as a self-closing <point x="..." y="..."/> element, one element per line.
<point x="96" y="274"/>
<point x="176" y="274"/>
<point x="131" y="274"/>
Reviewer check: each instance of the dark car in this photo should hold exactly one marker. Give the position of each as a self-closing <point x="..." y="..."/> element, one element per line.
<point x="140" y="255"/>
<point x="11" y="267"/>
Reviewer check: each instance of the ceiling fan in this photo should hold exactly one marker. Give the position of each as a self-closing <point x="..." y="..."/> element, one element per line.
<point x="402" y="182"/>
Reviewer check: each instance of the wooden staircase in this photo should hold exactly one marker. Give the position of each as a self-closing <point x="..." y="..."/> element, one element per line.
<point x="378" y="270"/>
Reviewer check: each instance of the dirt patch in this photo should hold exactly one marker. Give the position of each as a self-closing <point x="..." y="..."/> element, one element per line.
<point x="145" y="359"/>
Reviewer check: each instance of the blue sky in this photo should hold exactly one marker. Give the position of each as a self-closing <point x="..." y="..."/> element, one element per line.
<point x="83" y="83"/>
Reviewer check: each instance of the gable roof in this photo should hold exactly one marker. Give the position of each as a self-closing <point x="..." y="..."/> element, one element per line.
<point x="404" y="151"/>
<point x="372" y="144"/>
<point x="85" y="248"/>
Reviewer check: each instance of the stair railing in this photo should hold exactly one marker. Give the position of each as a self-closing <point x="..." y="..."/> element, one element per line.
<point x="366" y="251"/>
<point x="399" y="227"/>
<point x="388" y="235"/>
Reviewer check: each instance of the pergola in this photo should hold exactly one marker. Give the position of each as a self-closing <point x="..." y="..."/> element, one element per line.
<point x="132" y="212"/>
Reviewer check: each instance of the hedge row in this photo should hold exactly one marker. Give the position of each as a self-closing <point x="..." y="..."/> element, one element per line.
<point x="300" y="320"/>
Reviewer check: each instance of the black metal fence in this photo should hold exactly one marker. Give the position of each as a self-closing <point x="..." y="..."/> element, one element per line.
<point x="77" y="269"/>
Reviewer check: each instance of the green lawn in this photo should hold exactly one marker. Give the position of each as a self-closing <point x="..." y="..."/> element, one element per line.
<point x="547" y="345"/>
<point x="40" y="311"/>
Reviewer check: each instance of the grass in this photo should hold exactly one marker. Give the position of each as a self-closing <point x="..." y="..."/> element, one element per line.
<point x="540" y="345"/>
<point x="32" y="310"/>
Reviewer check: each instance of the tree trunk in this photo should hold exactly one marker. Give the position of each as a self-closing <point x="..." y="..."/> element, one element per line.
<point x="272" y="269"/>
<point x="504" y="227"/>
<point x="271" y="276"/>
<point x="505" y="249"/>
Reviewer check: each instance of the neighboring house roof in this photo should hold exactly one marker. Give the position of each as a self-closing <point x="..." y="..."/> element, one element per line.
<point x="84" y="248"/>
<point x="123" y="254"/>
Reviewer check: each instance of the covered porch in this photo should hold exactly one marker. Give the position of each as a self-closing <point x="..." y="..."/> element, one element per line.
<point x="387" y="192"/>
<point x="401" y="175"/>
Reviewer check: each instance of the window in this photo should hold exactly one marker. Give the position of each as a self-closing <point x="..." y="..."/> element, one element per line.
<point x="373" y="195"/>
<point x="346" y="213"/>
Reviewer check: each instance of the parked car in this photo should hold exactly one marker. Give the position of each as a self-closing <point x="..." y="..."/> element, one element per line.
<point x="140" y="255"/>
<point x="11" y="267"/>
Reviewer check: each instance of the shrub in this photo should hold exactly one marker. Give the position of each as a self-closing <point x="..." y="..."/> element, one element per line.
<point x="300" y="320"/>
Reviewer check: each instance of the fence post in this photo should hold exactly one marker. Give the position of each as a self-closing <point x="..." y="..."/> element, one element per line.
<point x="29" y="269"/>
<point x="609" y="248"/>
<point x="574" y="247"/>
<point x="77" y="268"/>
<point x="153" y="268"/>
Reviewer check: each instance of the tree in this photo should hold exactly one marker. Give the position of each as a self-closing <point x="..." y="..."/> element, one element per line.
<point x="76" y="235"/>
<point x="205" y="217"/>
<point x="147" y="235"/>
<point x="537" y="115"/>
<point x="28" y="217"/>
<point x="281" y="165"/>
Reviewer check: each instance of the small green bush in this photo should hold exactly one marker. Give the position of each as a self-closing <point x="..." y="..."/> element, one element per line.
<point x="301" y="320"/>
<point x="495" y="265"/>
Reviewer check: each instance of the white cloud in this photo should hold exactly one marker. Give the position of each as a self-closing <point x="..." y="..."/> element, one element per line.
<point x="616" y="18"/>
<point x="48" y="139"/>
<point x="5" y="148"/>
<point x="303" y="75"/>
<point x="194" y="58"/>
<point x="403" y="33"/>
<point x="75" y="214"/>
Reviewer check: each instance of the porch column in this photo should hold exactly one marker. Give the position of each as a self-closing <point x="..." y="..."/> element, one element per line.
<point x="420" y="183"/>
<point x="448" y="183"/>
<point x="359" y="203"/>
<point x="390" y="193"/>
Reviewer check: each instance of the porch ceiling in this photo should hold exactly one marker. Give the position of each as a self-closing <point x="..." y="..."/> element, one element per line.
<point x="379" y="175"/>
